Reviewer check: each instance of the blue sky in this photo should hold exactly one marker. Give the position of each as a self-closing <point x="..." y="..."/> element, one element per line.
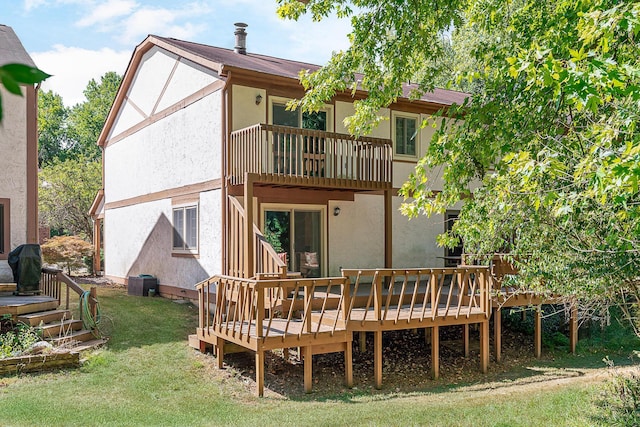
<point x="77" y="40"/>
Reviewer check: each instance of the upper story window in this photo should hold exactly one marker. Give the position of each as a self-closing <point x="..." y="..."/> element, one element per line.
<point x="5" y="230"/>
<point x="405" y="135"/>
<point x="185" y="229"/>
<point x="316" y="120"/>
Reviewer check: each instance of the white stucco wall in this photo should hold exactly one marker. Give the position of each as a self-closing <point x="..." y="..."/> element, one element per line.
<point x="181" y="149"/>
<point x="138" y="241"/>
<point x="356" y="236"/>
<point x="13" y="164"/>
<point x="245" y="111"/>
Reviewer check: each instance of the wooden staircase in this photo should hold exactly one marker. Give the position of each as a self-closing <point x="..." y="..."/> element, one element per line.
<point x="60" y="329"/>
<point x="56" y="325"/>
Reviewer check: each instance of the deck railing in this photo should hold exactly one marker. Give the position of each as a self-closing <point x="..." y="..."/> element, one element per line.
<point x="266" y="259"/>
<point x="419" y="294"/>
<point x="247" y="309"/>
<point x="51" y="282"/>
<point x="299" y="156"/>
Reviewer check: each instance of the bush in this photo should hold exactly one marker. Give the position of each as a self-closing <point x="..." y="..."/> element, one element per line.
<point x="67" y="251"/>
<point x="620" y="400"/>
<point x="15" y="338"/>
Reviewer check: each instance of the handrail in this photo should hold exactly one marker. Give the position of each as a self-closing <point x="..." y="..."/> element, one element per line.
<point x="247" y="309"/>
<point x="266" y="260"/>
<point x="51" y="285"/>
<point x="310" y="156"/>
<point x="457" y="292"/>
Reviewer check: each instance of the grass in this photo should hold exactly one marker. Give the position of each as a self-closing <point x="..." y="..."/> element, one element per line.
<point x="148" y="376"/>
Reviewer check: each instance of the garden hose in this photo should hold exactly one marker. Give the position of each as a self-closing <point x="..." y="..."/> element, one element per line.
<point x="88" y="320"/>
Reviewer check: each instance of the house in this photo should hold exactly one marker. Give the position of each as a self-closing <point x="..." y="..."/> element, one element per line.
<point x="203" y="164"/>
<point x="18" y="158"/>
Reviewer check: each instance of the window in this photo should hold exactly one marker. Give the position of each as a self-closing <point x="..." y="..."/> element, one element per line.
<point x="5" y="231"/>
<point x="406" y="133"/>
<point x="185" y="229"/>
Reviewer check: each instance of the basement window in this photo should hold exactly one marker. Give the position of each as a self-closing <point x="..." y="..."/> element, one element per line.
<point x="185" y="229"/>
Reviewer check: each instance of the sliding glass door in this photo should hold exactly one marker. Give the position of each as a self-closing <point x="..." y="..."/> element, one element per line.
<point x="297" y="233"/>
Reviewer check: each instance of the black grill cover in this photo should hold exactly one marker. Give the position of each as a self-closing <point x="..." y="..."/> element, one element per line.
<point x="26" y="263"/>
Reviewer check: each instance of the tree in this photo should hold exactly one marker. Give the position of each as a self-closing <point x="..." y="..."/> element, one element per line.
<point x="552" y="137"/>
<point x="66" y="192"/>
<point x="52" y="128"/>
<point x="67" y="251"/>
<point x="87" y="118"/>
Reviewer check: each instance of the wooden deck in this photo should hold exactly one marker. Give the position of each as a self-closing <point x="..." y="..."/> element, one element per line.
<point x="17" y="305"/>
<point x="321" y="315"/>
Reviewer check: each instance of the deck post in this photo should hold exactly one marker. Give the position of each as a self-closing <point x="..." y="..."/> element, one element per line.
<point x="573" y="327"/>
<point x="484" y="346"/>
<point x="260" y="372"/>
<point x="435" y="352"/>
<point x="465" y="339"/>
<point x="248" y="226"/>
<point x="427" y="335"/>
<point x="220" y="352"/>
<point x="362" y="340"/>
<point x="388" y="227"/>
<point x="537" y="321"/>
<point x="497" y="333"/>
<point x="93" y="297"/>
<point x="377" y="358"/>
<point x="307" y="355"/>
<point x="348" y="364"/>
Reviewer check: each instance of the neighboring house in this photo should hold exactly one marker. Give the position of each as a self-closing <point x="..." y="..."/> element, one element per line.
<point x="186" y="160"/>
<point x="18" y="158"/>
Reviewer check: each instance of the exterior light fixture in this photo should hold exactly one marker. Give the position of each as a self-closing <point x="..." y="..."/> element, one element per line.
<point x="258" y="99"/>
<point x="336" y="211"/>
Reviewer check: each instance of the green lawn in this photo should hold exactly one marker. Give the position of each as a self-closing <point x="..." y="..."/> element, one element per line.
<point x="148" y="376"/>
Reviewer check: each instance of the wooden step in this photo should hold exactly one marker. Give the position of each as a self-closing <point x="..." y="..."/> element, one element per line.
<point x="88" y="345"/>
<point x="35" y="319"/>
<point x="8" y="287"/>
<point x="72" y="339"/>
<point x="60" y="329"/>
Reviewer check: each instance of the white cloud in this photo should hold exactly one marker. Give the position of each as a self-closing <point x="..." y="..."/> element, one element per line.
<point x="32" y="4"/>
<point x="161" y="21"/>
<point x="73" y="67"/>
<point x="107" y="11"/>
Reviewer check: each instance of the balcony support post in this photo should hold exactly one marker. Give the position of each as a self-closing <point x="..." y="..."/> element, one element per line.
<point x="388" y="226"/>
<point x="248" y="224"/>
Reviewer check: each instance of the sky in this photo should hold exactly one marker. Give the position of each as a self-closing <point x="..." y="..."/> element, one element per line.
<point x="80" y="40"/>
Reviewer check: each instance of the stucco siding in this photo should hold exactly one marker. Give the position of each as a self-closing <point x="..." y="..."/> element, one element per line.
<point x="13" y="164"/>
<point x="245" y="111"/>
<point x="182" y="149"/>
<point x="356" y="236"/>
<point x="138" y="240"/>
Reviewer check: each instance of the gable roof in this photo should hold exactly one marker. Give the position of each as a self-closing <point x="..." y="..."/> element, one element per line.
<point x="11" y="49"/>
<point x="288" y="68"/>
<point x="221" y="60"/>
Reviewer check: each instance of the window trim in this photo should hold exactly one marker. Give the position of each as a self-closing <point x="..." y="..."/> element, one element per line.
<point x="450" y="217"/>
<point x="416" y="118"/>
<point x="6" y="228"/>
<point x="184" y="207"/>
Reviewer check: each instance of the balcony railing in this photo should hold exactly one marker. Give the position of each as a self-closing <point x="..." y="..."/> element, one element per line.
<point x="308" y="157"/>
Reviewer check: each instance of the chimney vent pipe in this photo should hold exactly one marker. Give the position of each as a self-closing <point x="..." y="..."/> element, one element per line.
<point x="241" y="38"/>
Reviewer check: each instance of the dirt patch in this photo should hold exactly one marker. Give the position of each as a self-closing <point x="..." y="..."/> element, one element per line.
<point x="406" y="368"/>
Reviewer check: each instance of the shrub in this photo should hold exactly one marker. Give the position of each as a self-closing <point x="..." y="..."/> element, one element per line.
<point x="15" y="338"/>
<point x="67" y="251"/>
<point x="620" y="400"/>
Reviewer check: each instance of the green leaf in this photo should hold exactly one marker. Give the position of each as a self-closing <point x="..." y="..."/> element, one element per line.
<point x="25" y="74"/>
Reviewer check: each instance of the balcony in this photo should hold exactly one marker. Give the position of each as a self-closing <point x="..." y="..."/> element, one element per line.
<point x="293" y="156"/>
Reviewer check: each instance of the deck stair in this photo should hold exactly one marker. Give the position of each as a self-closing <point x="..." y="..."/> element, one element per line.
<point x="59" y="328"/>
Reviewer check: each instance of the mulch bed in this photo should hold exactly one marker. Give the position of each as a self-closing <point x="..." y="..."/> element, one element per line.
<point x="406" y="365"/>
